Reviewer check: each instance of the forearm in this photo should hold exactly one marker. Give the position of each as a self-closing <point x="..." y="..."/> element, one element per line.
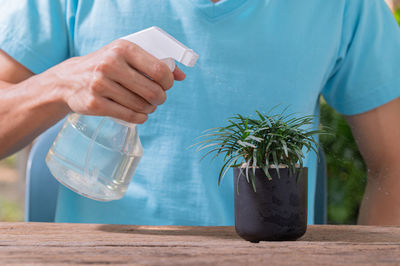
<point x="120" y="80"/>
<point x="27" y="109"/>
<point x="380" y="205"/>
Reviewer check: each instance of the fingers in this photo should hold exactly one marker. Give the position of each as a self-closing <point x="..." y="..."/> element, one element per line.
<point x="120" y="80"/>
<point x="144" y="62"/>
<point x="110" y="108"/>
<point x="126" y="98"/>
<point x="179" y="74"/>
<point x="134" y="81"/>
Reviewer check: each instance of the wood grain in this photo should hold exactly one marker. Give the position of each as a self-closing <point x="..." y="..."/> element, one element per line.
<point x="44" y="243"/>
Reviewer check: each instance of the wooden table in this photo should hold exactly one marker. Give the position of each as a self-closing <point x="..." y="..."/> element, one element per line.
<point x="44" y="243"/>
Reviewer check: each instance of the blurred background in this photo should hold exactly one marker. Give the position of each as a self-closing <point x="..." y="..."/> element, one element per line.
<point x="346" y="169"/>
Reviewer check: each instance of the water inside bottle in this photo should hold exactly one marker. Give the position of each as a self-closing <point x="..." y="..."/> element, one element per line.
<point x="103" y="175"/>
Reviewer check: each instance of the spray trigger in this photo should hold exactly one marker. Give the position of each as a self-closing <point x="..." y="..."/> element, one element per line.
<point x="163" y="46"/>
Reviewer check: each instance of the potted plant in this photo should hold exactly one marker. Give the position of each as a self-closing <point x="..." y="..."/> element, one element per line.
<point x="266" y="155"/>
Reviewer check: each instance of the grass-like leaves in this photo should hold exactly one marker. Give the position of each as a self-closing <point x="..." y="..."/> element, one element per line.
<point x="268" y="142"/>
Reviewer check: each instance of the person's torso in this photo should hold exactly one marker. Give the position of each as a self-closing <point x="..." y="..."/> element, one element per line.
<point x="254" y="55"/>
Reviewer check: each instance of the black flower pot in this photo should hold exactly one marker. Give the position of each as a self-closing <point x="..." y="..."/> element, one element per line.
<point x="276" y="211"/>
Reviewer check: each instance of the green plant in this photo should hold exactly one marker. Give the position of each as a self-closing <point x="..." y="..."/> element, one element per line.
<point x="268" y="142"/>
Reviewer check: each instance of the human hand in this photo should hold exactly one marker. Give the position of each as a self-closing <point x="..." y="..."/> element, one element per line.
<point x="120" y="80"/>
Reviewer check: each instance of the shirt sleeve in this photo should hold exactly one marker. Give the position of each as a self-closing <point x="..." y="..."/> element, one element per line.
<point x="34" y="32"/>
<point x="367" y="70"/>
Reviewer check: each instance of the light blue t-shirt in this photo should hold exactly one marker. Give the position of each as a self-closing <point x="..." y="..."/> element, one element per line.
<point x="253" y="55"/>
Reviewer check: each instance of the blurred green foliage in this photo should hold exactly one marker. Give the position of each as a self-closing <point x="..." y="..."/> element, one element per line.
<point x="345" y="166"/>
<point x="9" y="161"/>
<point x="10" y="211"/>
<point x="397" y="15"/>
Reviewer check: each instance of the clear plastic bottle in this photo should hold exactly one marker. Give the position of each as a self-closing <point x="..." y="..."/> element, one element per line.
<point x="97" y="156"/>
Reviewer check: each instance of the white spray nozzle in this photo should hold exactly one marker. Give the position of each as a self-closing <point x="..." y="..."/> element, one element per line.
<point x="163" y="46"/>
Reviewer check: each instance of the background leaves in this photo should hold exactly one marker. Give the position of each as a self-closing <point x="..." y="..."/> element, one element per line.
<point x="345" y="167"/>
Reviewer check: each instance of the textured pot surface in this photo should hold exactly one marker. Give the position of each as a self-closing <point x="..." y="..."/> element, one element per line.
<point x="276" y="211"/>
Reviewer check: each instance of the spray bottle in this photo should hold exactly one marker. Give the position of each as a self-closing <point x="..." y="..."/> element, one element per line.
<point x="97" y="156"/>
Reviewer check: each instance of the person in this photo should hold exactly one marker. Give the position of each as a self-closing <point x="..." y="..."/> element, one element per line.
<point x="61" y="56"/>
